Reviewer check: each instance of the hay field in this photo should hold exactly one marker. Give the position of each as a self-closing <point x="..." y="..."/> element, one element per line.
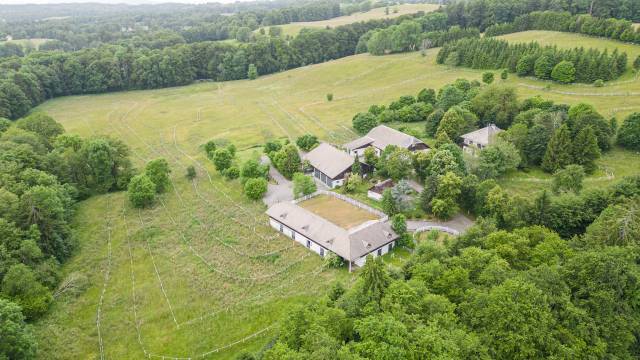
<point x="202" y="271"/>
<point x="377" y="13"/>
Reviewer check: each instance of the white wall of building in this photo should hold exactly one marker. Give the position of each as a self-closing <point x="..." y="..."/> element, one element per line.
<point x="299" y="238"/>
<point x="374" y="195"/>
<point x="378" y="252"/>
<point x="311" y="245"/>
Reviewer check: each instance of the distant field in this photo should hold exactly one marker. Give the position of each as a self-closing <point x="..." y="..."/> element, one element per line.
<point x="377" y="13"/>
<point x="204" y="258"/>
<point x="337" y="211"/>
<point x="33" y="43"/>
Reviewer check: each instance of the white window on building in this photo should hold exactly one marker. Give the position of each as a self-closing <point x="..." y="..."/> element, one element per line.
<point x="293" y="235"/>
<point x="322" y="251"/>
<point x="309" y="244"/>
<point x="281" y="228"/>
<point x="380" y="252"/>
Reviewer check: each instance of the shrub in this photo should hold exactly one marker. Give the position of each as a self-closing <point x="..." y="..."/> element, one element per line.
<point x="252" y="74"/>
<point x="231" y="173"/>
<point x="255" y="188"/>
<point x="303" y="185"/>
<point x="363" y="122"/>
<point x="564" y="72"/>
<point x="329" y="97"/>
<point x="253" y="169"/>
<point x="629" y="132"/>
<point x="17" y="340"/>
<point x="307" y="142"/>
<point x="191" y="172"/>
<point x="158" y="171"/>
<point x="141" y="191"/>
<point x="487" y="77"/>
<point x="222" y="159"/>
<point x="504" y="74"/>
<point x="568" y="179"/>
<point x="331" y="260"/>
<point x="210" y="148"/>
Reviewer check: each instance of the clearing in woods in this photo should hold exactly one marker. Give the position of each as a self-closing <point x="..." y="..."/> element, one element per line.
<point x="337" y="211"/>
<point x="377" y="13"/>
<point x="201" y="271"/>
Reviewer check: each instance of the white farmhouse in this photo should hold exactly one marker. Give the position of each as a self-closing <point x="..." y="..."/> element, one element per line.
<point x="373" y="237"/>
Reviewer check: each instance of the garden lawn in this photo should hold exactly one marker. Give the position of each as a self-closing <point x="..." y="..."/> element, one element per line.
<point x="337" y="211"/>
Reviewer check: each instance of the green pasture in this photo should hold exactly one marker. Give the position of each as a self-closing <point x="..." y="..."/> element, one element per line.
<point x="377" y="13"/>
<point x="202" y="270"/>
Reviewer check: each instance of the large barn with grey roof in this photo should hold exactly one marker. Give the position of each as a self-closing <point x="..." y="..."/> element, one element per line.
<point x="375" y="237"/>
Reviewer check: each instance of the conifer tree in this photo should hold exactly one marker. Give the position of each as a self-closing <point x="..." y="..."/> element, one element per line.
<point x="585" y="150"/>
<point x="558" y="154"/>
<point x="356" y="168"/>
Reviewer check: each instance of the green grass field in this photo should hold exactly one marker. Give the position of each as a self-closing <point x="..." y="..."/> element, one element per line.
<point x="202" y="271"/>
<point x="377" y="13"/>
<point x="28" y="43"/>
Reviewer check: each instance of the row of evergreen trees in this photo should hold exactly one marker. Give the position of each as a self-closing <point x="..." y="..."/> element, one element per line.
<point x="563" y="21"/>
<point x="532" y="59"/>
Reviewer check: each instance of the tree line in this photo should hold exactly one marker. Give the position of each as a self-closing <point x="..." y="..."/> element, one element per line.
<point x="544" y="62"/>
<point x="43" y="173"/>
<point x="26" y="82"/>
<point x="425" y="32"/>
<point x="563" y="21"/>
<point x="484" y="13"/>
<point x="89" y="25"/>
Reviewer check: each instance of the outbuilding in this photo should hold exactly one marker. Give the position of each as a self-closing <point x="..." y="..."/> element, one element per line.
<point x="382" y="136"/>
<point x="375" y="237"/>
<point x="329" y="164"/>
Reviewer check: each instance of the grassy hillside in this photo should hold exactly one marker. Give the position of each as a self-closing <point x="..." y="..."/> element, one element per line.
<point x="152" y="275"/>
<point x="377" y="13"/>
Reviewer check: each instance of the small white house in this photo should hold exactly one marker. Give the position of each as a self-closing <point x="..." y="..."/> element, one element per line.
<point x="382" y="136"/>
<point x="321" y="236"/>
<point x="480" y="139"/>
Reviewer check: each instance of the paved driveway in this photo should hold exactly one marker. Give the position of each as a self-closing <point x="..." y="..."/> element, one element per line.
<point x="282" y="190"/>
<point x="457" y="225"/>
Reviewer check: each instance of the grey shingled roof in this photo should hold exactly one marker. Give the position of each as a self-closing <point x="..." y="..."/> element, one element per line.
<point x="483" y="136"/>
<point x="329" y="160"/>
<point x="381" y="136"/>
<point x="350" y="245"/>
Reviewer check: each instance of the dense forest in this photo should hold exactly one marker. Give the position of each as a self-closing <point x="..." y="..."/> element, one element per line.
<point x="563" y="21"/>
<point x="544" y="62"/>
<point x="484" y="13"/>
<point x="489" y="294"/>
<point x="43" y="172"/>
<point x="90" y="25"/>
<point x="26" y="82"/>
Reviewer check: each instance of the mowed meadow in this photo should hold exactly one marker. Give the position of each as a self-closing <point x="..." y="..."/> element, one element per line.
<point x="376" y="13"/>
<point x="201" y="274"/>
